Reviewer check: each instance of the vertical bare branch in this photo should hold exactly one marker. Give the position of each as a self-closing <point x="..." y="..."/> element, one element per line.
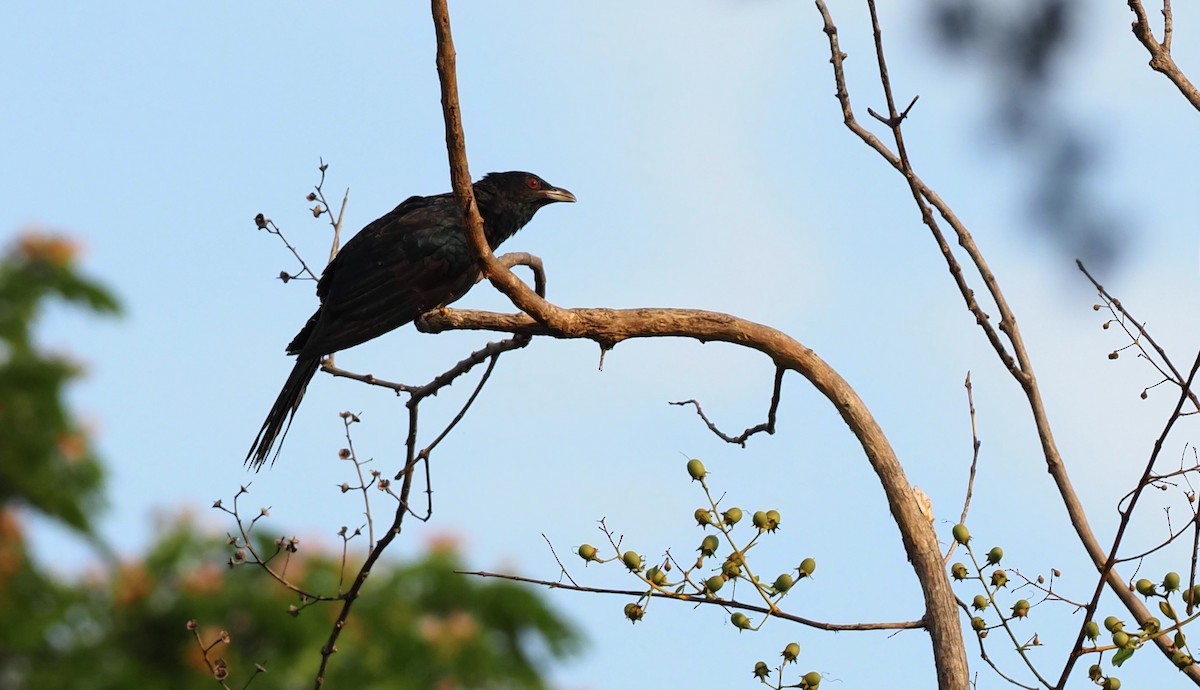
<point x="1018" y="362"/>
<point x="1161" y="60"/>
<point x="920" y="541"/>
<point x="1126" y="514"/>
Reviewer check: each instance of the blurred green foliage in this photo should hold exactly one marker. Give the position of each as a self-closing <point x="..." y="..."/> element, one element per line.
<point x="417" y="625"/>
<point x="46" y="459"/>
<point x="126" y="624"/>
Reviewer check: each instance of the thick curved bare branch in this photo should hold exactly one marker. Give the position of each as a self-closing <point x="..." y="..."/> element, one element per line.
<point x="608" y="327"/>
<point x="611" y="326"/>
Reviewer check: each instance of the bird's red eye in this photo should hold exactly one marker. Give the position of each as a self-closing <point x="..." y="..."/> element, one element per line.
<point x="533" y="183"/>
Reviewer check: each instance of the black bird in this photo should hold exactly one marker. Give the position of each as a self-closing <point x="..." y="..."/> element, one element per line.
<point x="410" y="261"/>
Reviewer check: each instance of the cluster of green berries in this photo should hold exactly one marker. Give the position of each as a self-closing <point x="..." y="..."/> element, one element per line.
<point x="809" y="681"/>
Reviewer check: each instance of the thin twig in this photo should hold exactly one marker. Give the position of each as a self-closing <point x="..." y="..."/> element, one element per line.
<point x="348" y="419"/>
<point x="1126" y="516"/>
<point x="1161" y="60"/>
<point x="305" y="273"/>
<point x="1175" y="377"/>
<point x="558" y="560"/>
<point x="975" y="445"/>
<point x="244" y="543"/>
<point x="1018" y="361"/>
<point x="767" y="426"/>
<point x="487" y="373"/>
<point x="702" y="600"/>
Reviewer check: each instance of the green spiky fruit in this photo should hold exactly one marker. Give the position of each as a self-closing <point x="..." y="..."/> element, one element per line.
<point x="634" y="612"/>
<point x="980" y="602"/>
<point x="1113" y="624"/>
<point x="732" y="516"/>
<point x="811" y="680"/>
<point x="961" y="534"/>
<point x="784" y="582"/>
<point x="790" y="652"/>
<point x="714" y="584"/>
<point x="999" y="578"/>
<point x="807" y="567"/>
<point x="994" y="556"/>
<point x="1170" y="581"/>
<point x="633" y="561"/>
<point x="761" y="670"/>
<point x="1091" y="630"/>
<point x="773" y="520"/>
<point x="731" y="569"/>
<point x="959" y="572"/>
<point x="740" y="621"/>
<point x="587" y="552"/>
<point x="708" y="545"/>
<point x="696" y="469"/>
<point x="703" y="517"/>
<point x="1021" y="608"/>
<point x="656" y="576"/>
<point x="1145" y="587"/>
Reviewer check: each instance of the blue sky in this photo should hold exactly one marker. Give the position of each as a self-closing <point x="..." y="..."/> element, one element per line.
<point x="712" y="171"/>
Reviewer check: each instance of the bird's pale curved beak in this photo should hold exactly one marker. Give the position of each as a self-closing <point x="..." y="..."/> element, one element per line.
<point x="558" y="194"/>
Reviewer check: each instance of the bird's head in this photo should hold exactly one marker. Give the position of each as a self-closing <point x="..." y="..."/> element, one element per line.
<point x="523" y="189"/>
<point x="508" y="200"/>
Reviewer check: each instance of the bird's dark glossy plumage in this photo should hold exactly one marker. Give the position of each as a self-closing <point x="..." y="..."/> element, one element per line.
<point x="414" y="259"/>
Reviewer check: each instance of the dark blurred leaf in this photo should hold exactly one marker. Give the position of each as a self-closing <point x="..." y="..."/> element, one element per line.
<point x="1020" y="51"/>
<point x="46" y="458"/>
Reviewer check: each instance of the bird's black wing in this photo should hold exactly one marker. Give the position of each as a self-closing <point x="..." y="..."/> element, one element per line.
<point x="405" y="215"/>
<point x="407" y="262"/>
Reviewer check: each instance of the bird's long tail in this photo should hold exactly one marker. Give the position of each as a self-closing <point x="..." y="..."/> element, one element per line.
<point x="279" y="419"/>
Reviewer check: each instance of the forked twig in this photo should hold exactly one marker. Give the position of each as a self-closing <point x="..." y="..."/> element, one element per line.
<point x="767" y="426"/>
